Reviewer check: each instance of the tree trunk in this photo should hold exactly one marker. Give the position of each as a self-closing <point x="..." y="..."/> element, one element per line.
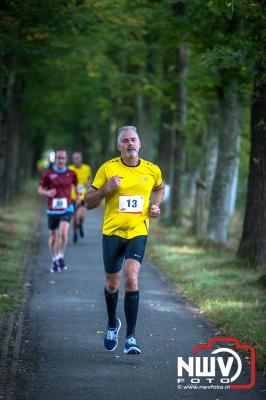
<point x="8" y="94"/>
<point x="3" y="153"/>
<point x="233" y="191"/>
<point x="180" y="137"/>
<point x="165" y="143"/>
<point x="145" y="126"/>
<point x="210" y="153"/>
<point x="192" y="178"/>
<point x="166" y="158"/>
<point x="229" y="132"/>
<point x="14" y="127"/>
<point x="198" y="223"/>
<point x="148" y="109"/>
<point x="252" y="245"/>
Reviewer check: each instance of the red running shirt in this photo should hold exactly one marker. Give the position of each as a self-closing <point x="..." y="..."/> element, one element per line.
<point x="62" y="182"/>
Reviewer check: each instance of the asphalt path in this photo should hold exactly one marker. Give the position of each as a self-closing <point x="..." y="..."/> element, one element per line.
<point x="62" y="354"/>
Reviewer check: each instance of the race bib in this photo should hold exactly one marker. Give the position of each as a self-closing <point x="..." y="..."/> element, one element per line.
<point x="59" y="204"/>
<point x="81" y="188"/>
<point x="131" y="204"/>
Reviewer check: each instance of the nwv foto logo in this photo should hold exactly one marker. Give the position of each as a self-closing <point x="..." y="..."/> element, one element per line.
<point x="220" y="367"/>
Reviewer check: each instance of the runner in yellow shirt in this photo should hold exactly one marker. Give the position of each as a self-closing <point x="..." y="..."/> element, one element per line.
<point x="133" y="190"/>
<point x="84" y="174"/>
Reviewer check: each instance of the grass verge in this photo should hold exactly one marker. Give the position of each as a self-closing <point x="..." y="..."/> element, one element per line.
<point x="224" y="289"/>
<point x="16" y="222"/>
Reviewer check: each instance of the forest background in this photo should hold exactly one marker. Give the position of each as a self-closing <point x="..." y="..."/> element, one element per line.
<point x="191" y="75"/>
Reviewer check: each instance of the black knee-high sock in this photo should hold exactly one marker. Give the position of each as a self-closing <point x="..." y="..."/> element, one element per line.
<point x="111" y="304"/>
<point x="131" y="306"/>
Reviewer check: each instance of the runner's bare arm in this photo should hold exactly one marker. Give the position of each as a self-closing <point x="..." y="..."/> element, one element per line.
<point x="45" y="192"/>
<point x="78" y="198"/>
<point x="93" y="197"/>
<point x="89" y="182"/>
<point x="156" y="199"/>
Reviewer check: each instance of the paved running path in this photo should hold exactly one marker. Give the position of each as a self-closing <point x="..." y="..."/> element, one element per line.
<point x="62" y="355"/>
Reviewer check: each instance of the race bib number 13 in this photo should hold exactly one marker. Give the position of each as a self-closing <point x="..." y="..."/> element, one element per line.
<point x="131" y="204"/>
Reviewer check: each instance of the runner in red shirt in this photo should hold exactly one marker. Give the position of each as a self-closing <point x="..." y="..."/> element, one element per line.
<point x="56" y="184"/>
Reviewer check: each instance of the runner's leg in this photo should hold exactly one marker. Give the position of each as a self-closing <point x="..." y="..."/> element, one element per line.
<point x="131" y="301"/>
<point x="75" y="227"/>
<point x="113" y="255"/>
<point x="134" y="254"/>
<point x="81" y="212"/>
<point x="111" y="296"/>
<point x="53" y="242"/>
<point x="63" y="238"/>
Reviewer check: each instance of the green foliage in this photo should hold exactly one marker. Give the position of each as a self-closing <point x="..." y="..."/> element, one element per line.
<point x="15" y="240"/>
<point x="83" y="64"/>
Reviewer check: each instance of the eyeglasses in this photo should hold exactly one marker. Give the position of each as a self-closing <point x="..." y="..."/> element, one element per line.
<point x="127" y="128"/>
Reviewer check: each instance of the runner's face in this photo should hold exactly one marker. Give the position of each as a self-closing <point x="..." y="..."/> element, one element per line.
<point x="129" y="144"/>
<point x="77" y="159"/>
<point x="61" y="159"/>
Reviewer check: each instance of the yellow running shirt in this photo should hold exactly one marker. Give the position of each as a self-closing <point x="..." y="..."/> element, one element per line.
<point x="83" y="173"/>
<point x="126" y="209"/>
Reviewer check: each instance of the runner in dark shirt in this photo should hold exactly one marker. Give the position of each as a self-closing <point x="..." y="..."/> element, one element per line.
<point x="56" y="185"/>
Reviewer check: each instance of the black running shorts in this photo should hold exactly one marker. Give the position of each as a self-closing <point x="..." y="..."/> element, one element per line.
<point x="117" y="249"/>
<point x="55" y="219"/>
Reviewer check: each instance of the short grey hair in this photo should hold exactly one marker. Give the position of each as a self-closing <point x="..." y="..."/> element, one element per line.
<point x="124" y="129"/>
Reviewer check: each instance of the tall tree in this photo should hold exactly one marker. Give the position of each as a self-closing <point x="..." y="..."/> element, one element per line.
<point x="229" y="132"/>
<point x="177" y="71"/>
<point x="252" y="246"/>
<point x="180" y="119"/>
<point x="222" y="54"/>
